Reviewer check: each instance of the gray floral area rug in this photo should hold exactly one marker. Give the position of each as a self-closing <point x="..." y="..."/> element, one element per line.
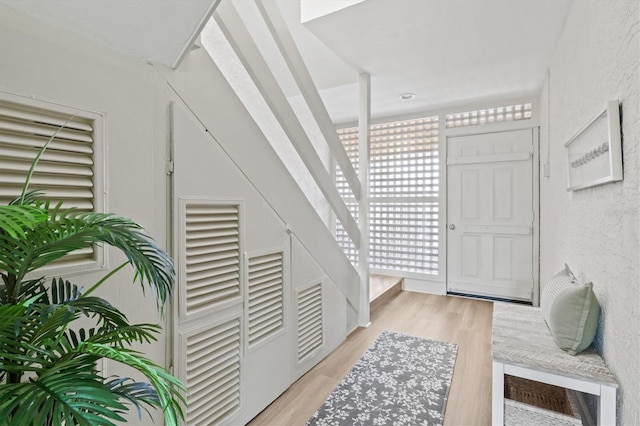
<point x="400" y="380"/>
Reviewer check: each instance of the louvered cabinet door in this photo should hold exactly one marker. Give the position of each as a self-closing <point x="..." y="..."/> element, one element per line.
<point x="212" y="371"/>
<point x="210" y="313"/>
<point x="265" y="297"/>
<point x="210" y="256"/>
<point x="310" y="333"/>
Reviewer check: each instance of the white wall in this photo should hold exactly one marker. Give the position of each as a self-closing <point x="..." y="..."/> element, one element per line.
<point x="596" y="230"/>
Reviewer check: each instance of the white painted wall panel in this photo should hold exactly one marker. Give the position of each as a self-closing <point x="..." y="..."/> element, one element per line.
<point x="596" y="230"/>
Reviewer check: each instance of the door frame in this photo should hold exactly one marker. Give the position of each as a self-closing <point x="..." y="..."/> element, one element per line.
<point x="486" y="129"/>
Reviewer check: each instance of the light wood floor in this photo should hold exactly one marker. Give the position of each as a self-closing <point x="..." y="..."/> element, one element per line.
<point x="466" y="322"/>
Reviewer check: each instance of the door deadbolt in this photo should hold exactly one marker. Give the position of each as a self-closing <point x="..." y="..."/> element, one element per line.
<point x="452" y="227"/>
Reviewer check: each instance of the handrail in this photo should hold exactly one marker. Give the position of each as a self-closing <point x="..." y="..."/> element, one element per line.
<point x="238" y="36"/>
<point x="287" y="46"/>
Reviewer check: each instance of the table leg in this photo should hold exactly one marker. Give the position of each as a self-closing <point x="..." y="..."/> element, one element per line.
<point x="607" y="406"/>
<point x="497" y="394"/>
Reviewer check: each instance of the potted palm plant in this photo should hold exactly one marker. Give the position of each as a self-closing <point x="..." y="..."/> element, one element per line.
<point x="48" y="353"/>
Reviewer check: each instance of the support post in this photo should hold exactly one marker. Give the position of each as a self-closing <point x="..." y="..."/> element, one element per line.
<point x="363" y="205"/>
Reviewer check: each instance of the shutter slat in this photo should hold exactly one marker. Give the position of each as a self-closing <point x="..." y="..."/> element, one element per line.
<point x="17" y="112"/>
<point x="265" y="271"/>
<point x="266" y="328"/>
<point x="266" y="282"/>
<point x="32" y="128"/>
<point x="59" y="158"/>
<point x="265" y="317"/>
<point x="265" y="294"/>
<point x="211" y="277"/>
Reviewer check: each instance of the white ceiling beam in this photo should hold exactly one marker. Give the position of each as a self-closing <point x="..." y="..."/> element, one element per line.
<point x="251" y="58"/>
<point x="292" y="57"/>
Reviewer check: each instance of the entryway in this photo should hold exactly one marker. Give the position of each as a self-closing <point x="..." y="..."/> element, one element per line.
<point x="491" y="216"/>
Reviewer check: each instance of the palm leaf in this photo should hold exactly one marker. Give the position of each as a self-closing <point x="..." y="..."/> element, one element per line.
<point x="140" y="395"/>
<point x="16" y="219"/>
<point x="167" y="387"/>
<point x="70" y="230"/>
<point x="70" y="393"/>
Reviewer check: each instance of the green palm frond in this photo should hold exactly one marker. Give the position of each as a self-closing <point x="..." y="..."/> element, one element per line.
<point x="16" y="219"/>
<point x="71" y="393"/>
<point x="140" y="395"/>
<point x="168" y="388"/>
<point x="67" y="231"/>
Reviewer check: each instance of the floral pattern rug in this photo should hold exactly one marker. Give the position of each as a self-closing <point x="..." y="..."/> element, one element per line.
<point x="400" y="380"/>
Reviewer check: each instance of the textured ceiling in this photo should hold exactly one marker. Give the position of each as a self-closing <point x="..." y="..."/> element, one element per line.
<point x="446" y="52"/>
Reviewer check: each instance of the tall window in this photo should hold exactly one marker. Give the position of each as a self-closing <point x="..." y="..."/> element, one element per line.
<point x="404" y="189"/>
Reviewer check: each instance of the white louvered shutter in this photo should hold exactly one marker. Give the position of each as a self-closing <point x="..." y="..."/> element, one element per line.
<point x="265" y="296"/>
<point x="213" y="372"/>
<point x="209" y="353"/>
<point x="68" y="170"/>
<point x="211" y="255"/>
<point x="310" y="334"/>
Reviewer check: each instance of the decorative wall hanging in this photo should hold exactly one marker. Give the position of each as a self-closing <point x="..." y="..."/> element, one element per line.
<point x="594" y="154"/>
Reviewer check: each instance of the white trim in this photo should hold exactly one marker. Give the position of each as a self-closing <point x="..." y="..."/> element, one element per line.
<point x="496" y="158"/>
<point x="536" y="217"/>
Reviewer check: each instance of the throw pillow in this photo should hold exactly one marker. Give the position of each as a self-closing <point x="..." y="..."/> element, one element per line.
<point x="573" y="317"/>
<point x="555" y="285"/>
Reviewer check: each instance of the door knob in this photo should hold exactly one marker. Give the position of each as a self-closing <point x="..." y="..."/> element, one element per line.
<point x="452" y="227"/>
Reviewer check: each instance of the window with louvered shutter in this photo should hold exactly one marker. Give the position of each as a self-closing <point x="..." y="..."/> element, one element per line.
<point x="69" y="170"/>
<point x="211" y="255"/>
<point x="213" y="372"/>
<point x="404" y="191"/>
<point x="309" y="307"/>
<point x="265" y="296"/>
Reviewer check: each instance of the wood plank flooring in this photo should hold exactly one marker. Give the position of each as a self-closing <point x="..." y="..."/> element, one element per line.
<point x="466" y="322"/>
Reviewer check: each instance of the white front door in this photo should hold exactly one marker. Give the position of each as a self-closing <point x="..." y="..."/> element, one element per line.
<point x="490" y="214"/>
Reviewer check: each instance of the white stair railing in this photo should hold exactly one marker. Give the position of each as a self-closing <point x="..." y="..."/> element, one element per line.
<point x="247" y="51"/>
